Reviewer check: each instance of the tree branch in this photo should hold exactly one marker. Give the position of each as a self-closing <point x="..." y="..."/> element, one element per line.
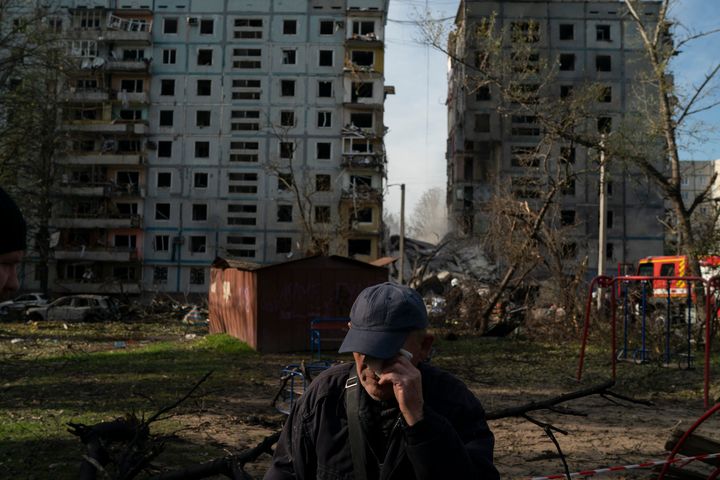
<point x="696" y="95"/>
<point x="551" y="402"/>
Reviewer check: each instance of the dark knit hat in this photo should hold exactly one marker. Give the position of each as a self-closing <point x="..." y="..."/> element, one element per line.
<point x="12" y="225"/>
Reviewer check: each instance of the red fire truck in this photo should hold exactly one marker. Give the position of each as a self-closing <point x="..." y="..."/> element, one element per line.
<point x="674" y="266"/>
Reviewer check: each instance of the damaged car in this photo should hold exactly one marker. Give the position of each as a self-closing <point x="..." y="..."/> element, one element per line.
<point x="76" y="308"/>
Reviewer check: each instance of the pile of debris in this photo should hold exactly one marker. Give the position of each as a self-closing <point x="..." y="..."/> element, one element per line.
<point x="164" y="308"/>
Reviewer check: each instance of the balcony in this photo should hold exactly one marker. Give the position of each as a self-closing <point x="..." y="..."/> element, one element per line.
<point x="361" y="72"/>
<point x="83" y="190"/>
<point x="363" y="103"/>
<point x="87" y="96"/>
<point x="363" y="161"/>
<point x="126" y="36"/>
<point x="363" y="132"/>
<point x="98" y="127"/>
<point x="110" y="286"/>
<point x="98" y="221"/>
<point x="362" y="193"/>
<point x="97" y="254"/>
<point x="132" y="97"/>
<point x="135" y="66"/>
<point x="101" y="189"/>
<point x="121" y="28"/>
<point x="366" y="41"/>
<point x="362" y="228"/>
<point x="99" y="158"/>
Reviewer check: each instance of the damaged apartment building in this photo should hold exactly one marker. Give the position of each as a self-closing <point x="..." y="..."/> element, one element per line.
<point x="249" y="129"/>
<point x="489" y="143"/>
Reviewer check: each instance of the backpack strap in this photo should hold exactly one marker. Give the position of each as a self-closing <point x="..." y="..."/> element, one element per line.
<point x="357" y="440"/>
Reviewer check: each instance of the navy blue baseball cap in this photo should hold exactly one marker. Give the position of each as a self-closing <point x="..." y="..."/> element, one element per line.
<point x="381" y="319"/>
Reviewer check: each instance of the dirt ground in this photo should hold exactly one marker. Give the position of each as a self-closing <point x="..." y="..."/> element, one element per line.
<point x="601" y="432"/>
<point x="45" y="383"/>
<point x="609" y="435"/>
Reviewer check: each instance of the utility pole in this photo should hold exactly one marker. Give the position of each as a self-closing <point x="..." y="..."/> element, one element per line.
<point x="602" y="215"/>
<point x="402" y="234"/>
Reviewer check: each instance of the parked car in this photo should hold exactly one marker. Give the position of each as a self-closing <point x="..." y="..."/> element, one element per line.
<point x="76" y="308"/>
<point x="22" y="303"/>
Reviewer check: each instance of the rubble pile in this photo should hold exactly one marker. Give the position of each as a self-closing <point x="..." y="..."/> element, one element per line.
<point x="164" y="308"/>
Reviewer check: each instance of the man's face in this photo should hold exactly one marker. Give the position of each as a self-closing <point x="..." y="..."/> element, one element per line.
<point x="9" y="282"/>
<point x="417" y="344"/>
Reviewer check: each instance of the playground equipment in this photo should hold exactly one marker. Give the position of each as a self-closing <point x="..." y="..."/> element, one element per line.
<point x="611" y="286"/>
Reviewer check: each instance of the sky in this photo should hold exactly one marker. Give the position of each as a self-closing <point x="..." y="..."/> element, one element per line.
<point x="417" y="117"/>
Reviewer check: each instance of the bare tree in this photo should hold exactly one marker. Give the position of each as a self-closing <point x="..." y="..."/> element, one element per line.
<point x="669" y="112"/>
<point x="525" y="232"/>
<point x="33" y="66"/>
<point x="296" y="182"/>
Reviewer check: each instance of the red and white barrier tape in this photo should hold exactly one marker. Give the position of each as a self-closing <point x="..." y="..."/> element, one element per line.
<point x="655" y="463"/>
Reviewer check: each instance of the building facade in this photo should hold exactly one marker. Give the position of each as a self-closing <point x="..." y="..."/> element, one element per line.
<point x="586" y="41"/>
<point x="248" y="129"/>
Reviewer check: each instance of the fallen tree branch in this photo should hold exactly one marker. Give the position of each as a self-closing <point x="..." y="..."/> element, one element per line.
<point x="551" y="402"/>
<point x="548" y="429"/>
<point x="610" y="393"/>
<point x="231" y="466"/>
<point x="131" y="432"/>
<point x="175" y="404"/>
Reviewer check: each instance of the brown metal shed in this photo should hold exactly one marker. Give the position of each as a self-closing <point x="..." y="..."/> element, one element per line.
<point x="270" y="306"/>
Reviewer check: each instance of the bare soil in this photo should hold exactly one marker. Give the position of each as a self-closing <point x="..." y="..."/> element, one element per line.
<point x="601" y="432"/>
<point x="80" y="373"/>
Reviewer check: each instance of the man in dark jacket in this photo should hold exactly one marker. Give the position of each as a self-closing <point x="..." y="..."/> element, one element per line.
<point x="389" y="415"/>
<point x="12" y="244"/>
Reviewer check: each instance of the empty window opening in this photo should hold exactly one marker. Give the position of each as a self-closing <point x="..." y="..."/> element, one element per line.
<point x="202" y="118"/>
<point x="283" y="245"/>
<point x="287" y="88"/>
<point x="167" y="87"/>
<point x="166" y="118"/>
<point x="567" y="31"/>
<point x="325" y="89"/>
<point x="361" y="90"/>
<point x="204" y="88"/>
<point x="567" y="62"/>
<point x="363" y="58"/>
<point x="363" y="27"/>
<point x="324" y="150"/>
<point x="322" y="183"/>
<point x="202" y="149"/>
<point x="207" y="26"/>
<point x="602" y="33"/>
<point x="164" y="148"/>
<point x="200" y="180"/>
<point x="164" y="180"/>
<point x="199" y="212"/>
<point x="324" y="119"/>
<point x="162" y="211"/>
<point x="289" y="27"/>
<point x="327" y="27"/>
<point x="289" y="57"/>
<point x="205" y="57"/>
<point x="325" y="58"/>
<point x="361" y="120"/>
<point x="198" y="244"/>
<point x="287" y="118"/>
<point x="603" y="63"/>
<point x="284" y="213"/>
<point x="322" y="214"/>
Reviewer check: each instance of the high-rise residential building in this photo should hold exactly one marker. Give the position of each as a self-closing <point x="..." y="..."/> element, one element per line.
<point x="248" y="129"/>
<point x="588" y="41"/>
